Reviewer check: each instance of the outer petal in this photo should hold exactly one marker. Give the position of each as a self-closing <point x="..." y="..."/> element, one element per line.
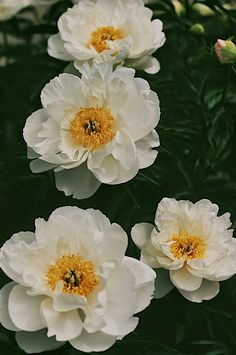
<point x="141" y="233"/>
<point x="36" y="342"/>
<point x="148" y="63"/>
<point x="163" y="284"/>
<point x="65" y="88"/>
<point x="124" y="150"/>
<point x="24" y="310"/>
<point x="146" y="155"/>
<point x="5" y="319"/>
<point x="12" y="255"/>
<point x="159" y="35"/>
<point x="144" y="281"/>
<point x="64" y="325"/>
<point x="122" y="302"/>
<point x="32" y="133"/>
<point x="39" y="166"/>
<point x="149" y="255"/>
<point x="183" y="280"/>
<point x="93" y="342"/>
<point x="78" y="182"/>
<point x="115" y="245"/>
<point x="141" y="118"/>
<point x="56" y="48"/>
<point x="207" y="291"/>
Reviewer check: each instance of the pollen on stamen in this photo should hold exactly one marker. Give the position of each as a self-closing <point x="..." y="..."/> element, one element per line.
<point x="93" y="127"/>
<point x="78" y="276"/>
<point x="101" y="35"/>
<point x="188" y="246"/>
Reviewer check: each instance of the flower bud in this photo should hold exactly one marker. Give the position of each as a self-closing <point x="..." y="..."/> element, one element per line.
<point x="179" y="8"/>
<point x="203" y="10"/>
<point x="197" y="28"/>
<point x="225" y="51"/>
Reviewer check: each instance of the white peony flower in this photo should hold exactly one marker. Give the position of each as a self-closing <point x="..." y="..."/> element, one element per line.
<point x="108" y="30"/>
<point x="72" y="282"/>
<point x="192" y="245"/>
<point x="93" y="130"/>
<point x="9" y="8"/>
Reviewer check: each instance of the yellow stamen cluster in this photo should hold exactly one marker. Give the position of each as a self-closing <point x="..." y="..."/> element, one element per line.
<point x="77" y="275"/>
<point x="92" y="127"/>
<point x="101" y="35"/>
<point x="188" y="246"/>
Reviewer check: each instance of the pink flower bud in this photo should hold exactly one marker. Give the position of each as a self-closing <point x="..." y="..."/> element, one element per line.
<point x="225" y="51"/>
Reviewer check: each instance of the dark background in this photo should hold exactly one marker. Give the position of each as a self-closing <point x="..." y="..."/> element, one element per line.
<point x="196" y="160"/>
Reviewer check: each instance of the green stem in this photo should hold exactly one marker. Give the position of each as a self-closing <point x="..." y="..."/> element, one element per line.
<point x="227" y="83"/>
<point x="6" y="45"/>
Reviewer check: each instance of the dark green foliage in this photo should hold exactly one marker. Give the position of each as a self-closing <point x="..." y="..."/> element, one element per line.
<point x="196" y="160"/>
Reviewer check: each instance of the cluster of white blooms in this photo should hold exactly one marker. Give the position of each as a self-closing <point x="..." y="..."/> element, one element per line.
<point x="71" y="279"/>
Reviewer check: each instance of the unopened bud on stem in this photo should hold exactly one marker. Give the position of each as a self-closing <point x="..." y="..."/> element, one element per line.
<point x="197" y="28"/>
<point x="203" y="9"/>
<point x="225" y="51"/>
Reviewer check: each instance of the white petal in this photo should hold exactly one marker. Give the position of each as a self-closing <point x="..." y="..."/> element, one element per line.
<point x="163" y="284"/>
<point x="122" y="301"/>
<point x="124" y="150"/>
<point x="93" y="342"/>
<point x="144" y="281"/>
<point x="207" y="291"/>
<point x="106" y="171"/>
<point x="65" y="88"/>
<point x="159" y="35"/>
<point x="141" y="118"/>
<point x="121" y="328"/>
<point x="32" y="128"/>
<point x="78" y="182"/>
<point x="39" y="166"/>
<point x="31" y="153"/>
<point x="151" y="65"/>
<point x="5" y="319"/>
<point x="149" y="255"/>
<point x="183" y="280"/>
<point x="12" y="255"/>
<point x="141" y="233"/>
<point x="148" y="63"/>
<point x="128" y="326"/>
<point x="24" y="310"/>
<point x="94" y="314"/>
<point x="115" y="242"/>
<point x="66" y="302"/>
<point x="36" y="342"/>
<point x="56" y="48"/>
<point x="146" y="155"/>
<point x="64" y="325"/>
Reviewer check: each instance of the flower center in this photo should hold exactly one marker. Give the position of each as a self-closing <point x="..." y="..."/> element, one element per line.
<point x="188" y="246"/>
<point x="77" y="275"/>
<point x="101" y="35"/>
<point x="92" y="128"/>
